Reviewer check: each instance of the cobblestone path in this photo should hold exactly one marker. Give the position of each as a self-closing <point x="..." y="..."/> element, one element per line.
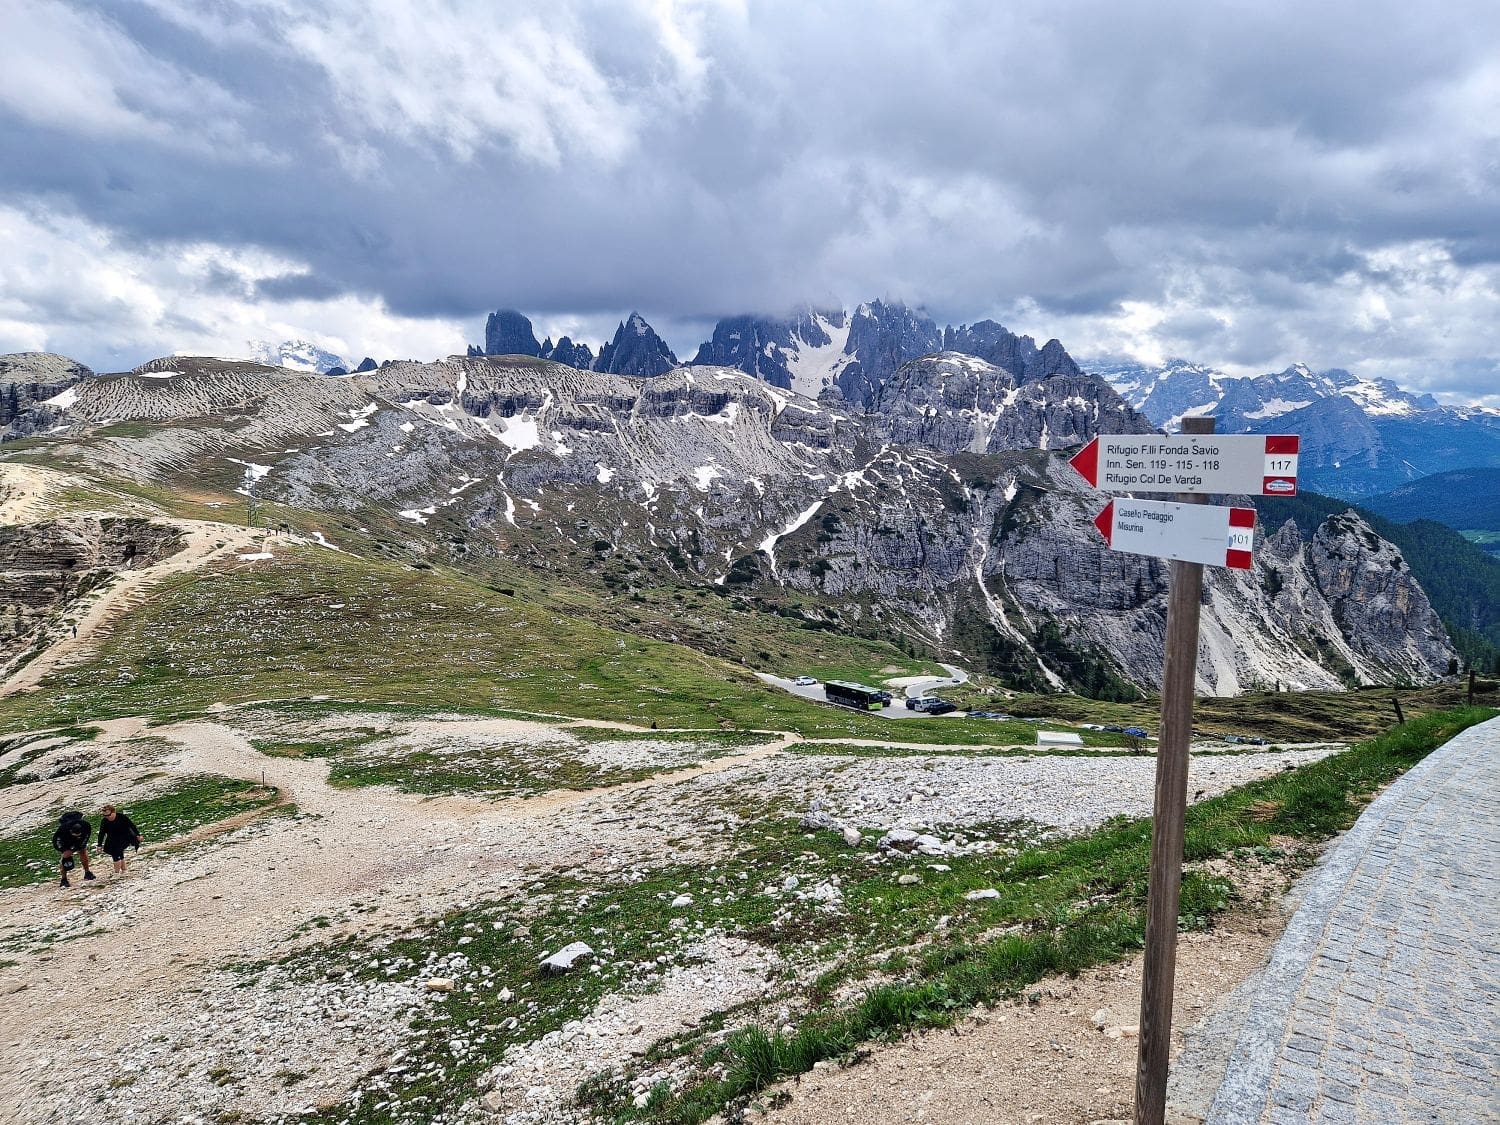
<point x="1381" y="1002"/>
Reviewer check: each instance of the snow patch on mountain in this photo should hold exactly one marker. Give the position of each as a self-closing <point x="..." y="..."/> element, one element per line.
<point x="815" y="367"/>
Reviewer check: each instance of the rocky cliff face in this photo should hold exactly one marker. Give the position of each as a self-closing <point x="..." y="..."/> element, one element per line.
<point x="507" y="332"/>
<point x="957" y="403"/>
<point x="44" y="567"/>
<point x="882" y="337"/>
<point x="946" y="516"/>
<point x="35" y="389"/>
<point x="782" y="352"/>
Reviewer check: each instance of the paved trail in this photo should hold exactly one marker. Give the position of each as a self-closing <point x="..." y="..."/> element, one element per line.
<point x="1382" y="1000"/>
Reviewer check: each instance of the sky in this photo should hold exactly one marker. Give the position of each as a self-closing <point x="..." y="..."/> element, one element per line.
<point x="1244" y="183"/>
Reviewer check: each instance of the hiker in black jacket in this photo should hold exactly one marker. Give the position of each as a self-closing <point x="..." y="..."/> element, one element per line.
<point x="72" y="836"/>
<point x="116" y="833"/>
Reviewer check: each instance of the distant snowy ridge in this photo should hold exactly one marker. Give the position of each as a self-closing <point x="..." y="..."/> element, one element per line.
<point x="1360" y="436"/>
<point x="297" y="355"/>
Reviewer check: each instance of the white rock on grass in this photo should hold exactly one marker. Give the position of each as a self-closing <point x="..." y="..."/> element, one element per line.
<point x="987" y="892"/>
<point x="566" y="957"/>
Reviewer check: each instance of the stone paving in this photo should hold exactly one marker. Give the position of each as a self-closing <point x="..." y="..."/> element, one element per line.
<point x="1381" y="1002"/>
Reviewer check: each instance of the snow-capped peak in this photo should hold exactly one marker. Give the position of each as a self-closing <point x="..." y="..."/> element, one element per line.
<point x="296" y="355"/>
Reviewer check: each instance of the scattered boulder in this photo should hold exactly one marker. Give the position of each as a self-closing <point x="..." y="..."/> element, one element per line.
<point x="438" y="984"/>
<point x="852" y="837"/>
<point x="988" y="892"/>
<point x="565" y="958"/>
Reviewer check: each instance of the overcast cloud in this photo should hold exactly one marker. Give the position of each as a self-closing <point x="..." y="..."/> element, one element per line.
<point x="1247" y="185"/>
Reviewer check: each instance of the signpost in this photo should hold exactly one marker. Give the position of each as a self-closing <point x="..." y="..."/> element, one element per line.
<point x="1193" y="463"/>
<point x="1187" y="532"/>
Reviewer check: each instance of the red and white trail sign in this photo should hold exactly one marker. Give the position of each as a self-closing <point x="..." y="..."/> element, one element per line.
<point x="1229" y="465"/>
<point x="1189" y="532"/>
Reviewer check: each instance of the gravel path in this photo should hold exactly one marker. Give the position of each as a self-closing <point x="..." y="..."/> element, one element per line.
<point x="151" y="949"/>
<point x="1381" y="1001"/>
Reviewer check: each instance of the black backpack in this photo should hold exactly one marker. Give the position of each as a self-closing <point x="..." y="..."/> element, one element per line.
<point x="73" y="829"/>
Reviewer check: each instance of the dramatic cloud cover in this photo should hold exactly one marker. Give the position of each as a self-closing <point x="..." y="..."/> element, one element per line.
<point x="1246" y="185"/>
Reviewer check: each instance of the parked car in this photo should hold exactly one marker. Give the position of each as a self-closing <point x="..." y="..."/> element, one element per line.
<point x="805" y="681"/>
<point x="1136" y="732"/>
<point x="915" y="704"/>
<point x="983" y="715"/>
<point x="939" y="707"/>
<point x="886" y="698"/>
<point x="1113" y="730"/>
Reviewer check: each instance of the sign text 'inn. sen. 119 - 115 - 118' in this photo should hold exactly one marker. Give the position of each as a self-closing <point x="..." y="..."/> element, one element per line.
<point x="1196" y="464"/>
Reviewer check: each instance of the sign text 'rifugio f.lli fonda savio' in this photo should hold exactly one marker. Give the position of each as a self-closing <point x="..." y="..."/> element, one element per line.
<point x="1227" y="465"/>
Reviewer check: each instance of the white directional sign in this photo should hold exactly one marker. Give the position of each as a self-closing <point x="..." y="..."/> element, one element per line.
<point x="1190" y="532"/>
<point x="1234" y="464"/>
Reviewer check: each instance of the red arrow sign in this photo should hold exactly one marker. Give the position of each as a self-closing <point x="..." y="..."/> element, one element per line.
<point x="1235" y="464"/>
<point x="1086" y="461"/>
<point x="1190" y="532"/>
<point x="1105" y="520"/>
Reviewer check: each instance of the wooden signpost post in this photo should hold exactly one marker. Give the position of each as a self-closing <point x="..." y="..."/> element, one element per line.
<point x="1193" y="464"/>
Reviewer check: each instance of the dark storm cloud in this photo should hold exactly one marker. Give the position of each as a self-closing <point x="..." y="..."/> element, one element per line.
<point x="1255" y="183"/>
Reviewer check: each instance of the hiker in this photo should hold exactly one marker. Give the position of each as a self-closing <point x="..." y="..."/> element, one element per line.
<point x="116" y="833"/>
<point x="72" y="836"/>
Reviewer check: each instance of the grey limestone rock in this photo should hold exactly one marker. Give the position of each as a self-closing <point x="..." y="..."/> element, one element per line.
<point x="636" y="350"/>
<point x="508" y="332"/>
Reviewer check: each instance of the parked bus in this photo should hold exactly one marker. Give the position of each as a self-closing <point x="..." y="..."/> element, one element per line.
<point x="858" y="696"/>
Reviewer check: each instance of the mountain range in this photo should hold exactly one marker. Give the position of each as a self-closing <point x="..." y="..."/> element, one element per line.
<point x="1360" y="437"/>
<point x="923" y="501"/>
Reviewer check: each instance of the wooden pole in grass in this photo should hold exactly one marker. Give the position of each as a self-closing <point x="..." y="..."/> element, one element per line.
<point x="1159" y="970"/>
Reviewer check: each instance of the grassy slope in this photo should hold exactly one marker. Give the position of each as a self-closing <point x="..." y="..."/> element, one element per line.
<point x="195" y="801"/>
<point x="316" y="622"/>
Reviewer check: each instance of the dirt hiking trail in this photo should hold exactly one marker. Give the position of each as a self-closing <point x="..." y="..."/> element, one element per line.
<point x="141" y="944"/>
<point x="204" y="544"/>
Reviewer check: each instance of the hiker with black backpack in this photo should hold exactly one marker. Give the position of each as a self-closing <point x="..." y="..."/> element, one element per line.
<point x="72" y="837"/>
<point x="116" y="833"/>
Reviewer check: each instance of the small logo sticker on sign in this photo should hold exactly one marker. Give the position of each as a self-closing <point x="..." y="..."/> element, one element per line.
<point x="1280" y="484"/>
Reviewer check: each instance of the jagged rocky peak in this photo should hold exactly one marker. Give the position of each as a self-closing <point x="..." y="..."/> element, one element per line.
<point x="1017" y="354"/>
<point x="636" y="350"/>
<point x="508" y="332"/>
<point x="882" y="336"/>
<point x="566" y="352"/>
<point x="801" y="352"/>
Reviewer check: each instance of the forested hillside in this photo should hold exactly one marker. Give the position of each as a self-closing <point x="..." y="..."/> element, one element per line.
<point x="1462" y="580"/>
